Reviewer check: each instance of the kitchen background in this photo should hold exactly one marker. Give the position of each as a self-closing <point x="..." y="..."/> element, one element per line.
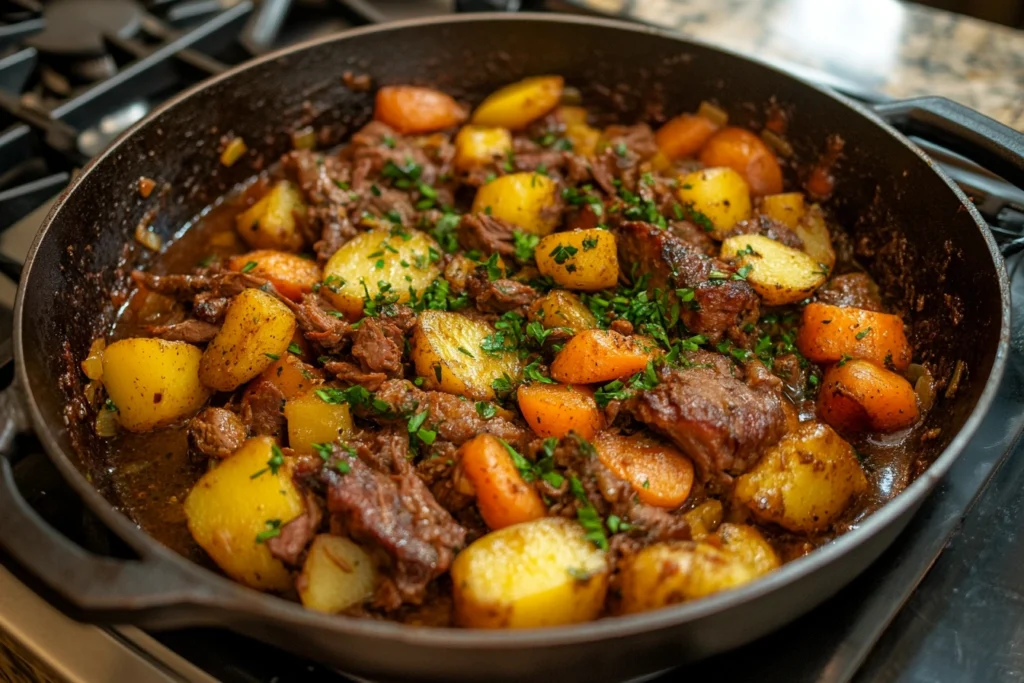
<point x="75" y="73"/>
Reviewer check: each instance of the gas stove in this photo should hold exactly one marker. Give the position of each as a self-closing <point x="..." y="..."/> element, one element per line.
<point x="74" y="74"/>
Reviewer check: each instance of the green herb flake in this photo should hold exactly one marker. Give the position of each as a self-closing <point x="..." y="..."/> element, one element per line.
<point x="272" y="356"/>
<point x="486" y="410"/>
<point x="294" y="348"/>
<point x="273" y="530"/>
<point x="562" y="253"/>
<point x="589" y="243"/>
<point x="249" y="267"/>
<point x="863" y="333"/>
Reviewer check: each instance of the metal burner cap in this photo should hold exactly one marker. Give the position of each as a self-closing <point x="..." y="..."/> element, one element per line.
<point x="75" y="28"/>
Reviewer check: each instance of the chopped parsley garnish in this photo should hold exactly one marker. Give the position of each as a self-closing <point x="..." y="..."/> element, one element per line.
<point x="562" y="253"/>
<point x="589" y="243"/>
<point x="493" y="267"/>
<point x="863" y="333"/>
<point x="403" y="177"/>
<point x="444" y="231"/>
<point x="388" y="141"/>
<point x="273" y="464"/>
<point x="543" y="469"/>
<point x="465" y="352"/>
<point x="272" y="531"/>
<point x="502" y="385"/>
<point x="249" y="267"/>
<point x="587" y="516"/>
<point x="533" y="373"/>
<point x="294" y="348"/>
<point x="842" y="361"/>
<point x="743" y="272"/>
<point x="621" y="390"/>
<point x="418" y="431"/>
<point x="525" y="243"/>
<point x="272" y="356"/>
<point x="109" y="405"/>
<point x="486" y="410"/>
<point x="621" y="149"/>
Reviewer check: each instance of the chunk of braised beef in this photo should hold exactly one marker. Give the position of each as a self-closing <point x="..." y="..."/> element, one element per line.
<point x="719" y="307"/>
<point x="719" y="421"/>
<point x="185" y="287"/>
<point x="319" y="322"/>
<point x="193" y="331"/>
<point x="290" y="545"/>
<point x="216" y="433"/>
<point x="455" y="419"/>
<point x="351" y="374"/>
<point x="378" y="345"/>
<point x="393" y="512"/>
<point x="262" y="408"/>
<point x="210" y="309"/>
<point x="856" y="290"/>
<point x="487" y="234"/>
<point x="501" y="295"/>
<point x="769" y="227"/>
<point x="693" y="235"/>
<point x="620" y="159"/>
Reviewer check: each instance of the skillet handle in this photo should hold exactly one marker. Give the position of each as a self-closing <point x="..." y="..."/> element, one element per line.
<point x="96" y="588"/>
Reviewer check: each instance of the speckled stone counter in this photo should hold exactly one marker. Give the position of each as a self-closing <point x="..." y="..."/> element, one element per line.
<point x="896" y="48"/>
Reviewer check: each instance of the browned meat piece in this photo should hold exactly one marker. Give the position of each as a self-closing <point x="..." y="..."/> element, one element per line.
<point x="262" y="408"/>
<point x="377" y="345"/>
<point x="216" y="433"/>
<point x="487" y="234"/>
<point x="454" y="418"/>
<point x="720" y="306"/>
<point x="770" y="228"/>
<point x="501" y="295"/>
<point x="322" y="179"/>
<point x="401" y="316"/>
<point x="186" y="287"/>
<point x="192" y="331"/>
<point x="291" y="543"/>
<point x="396" y="513"/>
<point x="527" y="155"/>
<point x="317" y="324"/>
<point x="693" y="235"/>
<point x="620" y="160"/>
<point x="792" y="369"/>
<point x="351" y="374"/>
<point x="855" y="290"/>
<point x="209" y="308"/>
<point x="720" y="422"/>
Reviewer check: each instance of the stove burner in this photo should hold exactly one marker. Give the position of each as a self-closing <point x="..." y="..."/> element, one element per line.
<point x="76" y="28"/>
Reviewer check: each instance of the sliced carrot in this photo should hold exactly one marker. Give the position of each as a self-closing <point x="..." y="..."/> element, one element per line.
<point x="409" y="109"/>
<point x="659" y="474"/>
<point x="291" y="376"/>
<point x="748" y="155"/>
<point x="291" y="274"/>
<point x="599" y="356"/>
<point x="502" y="497"/>
<point x="684" y="135"/>
<point x="830" y="333"/>
<point x="557" y="409"/>
<point x="858" y="395"/>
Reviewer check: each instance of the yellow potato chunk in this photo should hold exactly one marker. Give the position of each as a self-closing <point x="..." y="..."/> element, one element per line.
<point x="664" y="574"/>
<point x="719" y="194"/>
<point x="270" y="223"/>
<point x="780" y="274"/>
<point x="813" y="230"/>
<point x="705" y="518"/>
<point x="560" y="308"/>
<point x="447" y="353"/>
<point x="539" y="573"/>
<point x="356" y="270"/>
<point x="256" y="332"/>
<point x="805" y="482"/>
<point x="153" y="382"/>
<point x="312" y="420"/>
<point x="525" y="199"/>
<point x="338" y="574"/>
<point x="232" y="511"/>
<point x="747" y="542"/>
<point x="479" y="145"/>
<point x="518" y="104"/>
<point x="787" y="208"/>
<point x="584" y="260"/>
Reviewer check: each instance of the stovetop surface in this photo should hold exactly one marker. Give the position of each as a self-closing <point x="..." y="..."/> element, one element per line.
<point x="65" y="93"/>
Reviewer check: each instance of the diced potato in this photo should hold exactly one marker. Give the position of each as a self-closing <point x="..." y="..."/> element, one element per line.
<point x="705" y="518"/>
<point x="356" y="270"/>
<point x="312" y="420"/>
<point x="747" y="542"/>
<point x="560" y="308"/>
<point x="583" y="137"/>
<point x="234" y="508"/>
<point x="780" y="274"/>
<point x="479" y="145"/>
<point x="583" y="259"/>
<point x="787" y="208"/>
<point x="153" y="382"/>
<point x="595" y="356"/>
<point x="805" y="482"/>
<point x="719" y="194"/>
<point x="92" y="366"/>
<point x="539" y="573"/>
<point x="813" y="230"/>
<point x="446" y="352"/>
<point x="659" y="474"/>
<point x="411" y="109"/>
<point x="256" y="332"/>
<point x="664" y="574"/>
<point x="270" y="223"/>
<point x="291" y="274"/>
<point x="291" y="376"/>
<point x="570" y="115"/>
<point x="338" y="574"/>
<point x="526" y="199"/>
<point x="516" y="105"/>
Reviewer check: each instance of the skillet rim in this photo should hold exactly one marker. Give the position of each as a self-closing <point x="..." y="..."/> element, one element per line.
<point x="225" y="594"/>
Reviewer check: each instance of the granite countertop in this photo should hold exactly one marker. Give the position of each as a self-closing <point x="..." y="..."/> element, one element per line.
<point x="896" y="48"/>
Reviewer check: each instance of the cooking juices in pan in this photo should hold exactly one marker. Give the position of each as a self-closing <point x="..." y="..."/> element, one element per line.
<point x="509" y="367"/>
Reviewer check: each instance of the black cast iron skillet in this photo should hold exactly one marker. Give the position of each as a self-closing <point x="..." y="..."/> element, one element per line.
<point x="928" y="247"/>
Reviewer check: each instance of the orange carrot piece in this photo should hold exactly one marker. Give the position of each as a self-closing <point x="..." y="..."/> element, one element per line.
<point x="557" y="409"/>
<point x="684" y="135"/>
<point x="409" y="109"/>
<point x="502" y="497"/>
<point x="659" y="474"/>
<point x="599" y="356"/>
<point x="748" y="155"/>
<point x="858" y="395"/>
<point x="830" y="333"/>
<point x="290" y="274"/>
<point x="290" y="375"/>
